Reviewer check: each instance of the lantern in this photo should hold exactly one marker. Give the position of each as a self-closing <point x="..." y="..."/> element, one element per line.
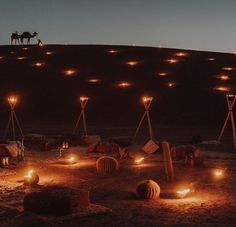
<point x="71" y="159"/>
<point x="112" y="51"/>
<point x="138" y="160"/>
<point x="124" y="84"/>
<point x="219" y="173"/>
<point x="183" y="193"/>
<point x="93" y="80"/>
<point x="39" y="64"/>
<point x="162" y="74"/>
<point x="181" y="54"/>
<point x="49" y="53"/>
<point x="31" y="179"/>
<point x="132" y="63"/>
<point x="70" y="72"/>
<point x="172" y="61"/>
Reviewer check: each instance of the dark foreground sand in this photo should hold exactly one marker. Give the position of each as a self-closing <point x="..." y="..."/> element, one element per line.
<point x="212" y="204"/>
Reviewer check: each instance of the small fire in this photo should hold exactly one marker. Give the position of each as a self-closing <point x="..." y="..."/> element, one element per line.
<point x="146" y="99"/>
<point x="218" y="173"/>
<point x="70" y="72"/>
<point x="132" y="63"/>
<point x="138" y="160"/>
<point x="172" y="61"/>
<point x="83" y="98"/>
<point x="171" y="84"/>
<point x="71" y="159"/>
<point x="124" y="84"/>
<point x="183" y="193"/>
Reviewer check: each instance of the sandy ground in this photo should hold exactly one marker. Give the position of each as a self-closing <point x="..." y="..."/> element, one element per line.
<point x="212" y="204"/>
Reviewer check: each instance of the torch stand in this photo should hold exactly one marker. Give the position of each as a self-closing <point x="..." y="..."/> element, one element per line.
<point x="230" y="103"/>
<point x="147" y="103"/>
<point x="83" y="103"/>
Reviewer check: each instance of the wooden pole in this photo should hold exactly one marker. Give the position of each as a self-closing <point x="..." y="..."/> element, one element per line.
<point x="168" y="161"/>
<point x="230" y="104"/>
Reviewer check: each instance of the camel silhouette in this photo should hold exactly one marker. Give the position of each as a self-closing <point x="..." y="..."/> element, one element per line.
<point x="15" y="37"/>
<point x="28" y="36"/>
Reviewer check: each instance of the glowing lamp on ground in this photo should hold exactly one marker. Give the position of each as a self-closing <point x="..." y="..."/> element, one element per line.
<point x="25" y="48"/>
<point x="222" y="89"/>
<point x="172" y="61"/>
<point x="139" y="160"/>
<point x="219" y="173"/>
<point x="132" y="63"/>
<point x="181" y="54"/>
<point x="112" y="51"/>
<point x="183" y="193"/>
<point x="228" y="68"/>
<point x="162" y="74"/>
<point x="12" y="100"/>
<point x="39" y="64"/>
<point x="31" y="179"/>
<point x="124" y="84"/>
<point x="223" y="77"/>
<point x="71" y="159"/>
<point x="70" y="72"/>
<point x="211" y="59"/>
<point x="146" y="99"/>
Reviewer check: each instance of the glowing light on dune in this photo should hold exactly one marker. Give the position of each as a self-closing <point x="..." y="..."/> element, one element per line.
<point x="171" y="84"/>
<point x="12" y="100"/>
<point x="172" y="61"/>
<point x="219" y="173"/>
<point x="83" y="98"/>
<point x="222" y="88"/>
<point x="223" y="77"/>
<point x="124" y="84"/>
<point x="39" y="64"/>
<point x="72" y="159"/>
<point x="228" y="68"/>
<point x="21" y="58"/>
<point x="49" y="53"/>
<point x="211" y="59"/>
<point x="25" y="48"/>
<point x="112" y="51"/>
<point x="70" y="72"/>
<point x="162" y="74"/>
<point x="93" y="80"/>
<point x="132" y="63"/>
<point x="181" y="54"/>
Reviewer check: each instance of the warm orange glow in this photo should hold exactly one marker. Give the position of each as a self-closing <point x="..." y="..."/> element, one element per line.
<point x="21" y="58"/>
<point x="223" y="77"/>
<point x="93" y="80"/>
<point x="146" y="99"/>
<point x="83" y="98"/>
<point x="39" y="64"/>
<point x="71" y="159"/>
<point x="183" y="193"/>
<point x="70" y="72"/>
<point x="124" y="84"/>
<point x="218" y="173"/>
<point x="29" y="174"/>
<point x="12" y="100"/>
<point x="211" y="59"/>
<point x="228" y="68"/>
<point x="162" y="74"/>
<point x="138" y="160"/>
<point x="132" y="63"/>
<point x="171" y="84"/>
<point x="49" y="53"/>
<point x="181" y="54"/>
<point x="172" y="61"/>
<point x="222" y="88"/>
<point x="112" y="51"/>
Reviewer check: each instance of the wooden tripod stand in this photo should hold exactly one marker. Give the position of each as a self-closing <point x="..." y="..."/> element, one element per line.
<point x="147" y="101"/>
<point x="231" y="99"/>
<point x="83" y="103"/>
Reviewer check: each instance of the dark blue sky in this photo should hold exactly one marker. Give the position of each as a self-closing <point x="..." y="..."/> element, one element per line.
<point x="190" y="24"/>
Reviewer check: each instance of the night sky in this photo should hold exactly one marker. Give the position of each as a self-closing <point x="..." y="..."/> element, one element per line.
<point x="187" y="24"/>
